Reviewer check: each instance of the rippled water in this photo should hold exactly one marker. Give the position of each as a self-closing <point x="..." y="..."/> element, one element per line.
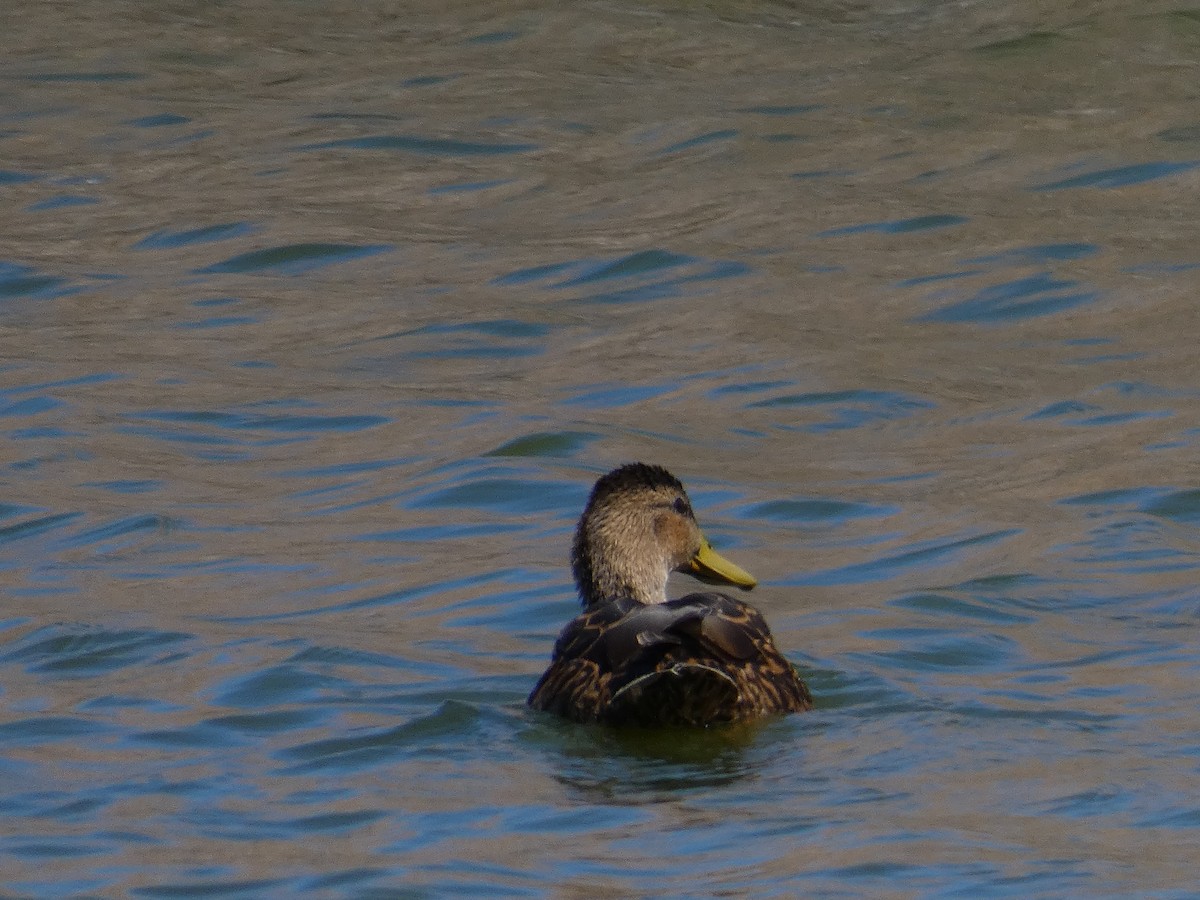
<point x="319" y="321"/>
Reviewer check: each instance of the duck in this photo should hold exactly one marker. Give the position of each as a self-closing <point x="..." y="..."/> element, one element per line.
<point x="634" y="657"/>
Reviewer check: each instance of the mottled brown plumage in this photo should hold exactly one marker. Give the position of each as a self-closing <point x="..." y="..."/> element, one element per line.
<point x="634" y="657"/>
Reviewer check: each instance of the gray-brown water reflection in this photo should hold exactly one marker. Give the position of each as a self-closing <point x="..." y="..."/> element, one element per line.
<point x="318" y="323"/>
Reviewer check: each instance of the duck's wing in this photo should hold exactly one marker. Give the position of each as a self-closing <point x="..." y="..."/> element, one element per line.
<point x="716" y="661"/>
<point x="731" y="629"/>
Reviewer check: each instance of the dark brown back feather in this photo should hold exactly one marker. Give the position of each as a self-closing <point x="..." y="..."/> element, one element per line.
<point x="702" y="659"/>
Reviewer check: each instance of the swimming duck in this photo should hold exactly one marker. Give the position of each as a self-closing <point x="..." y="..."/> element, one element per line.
<point x="633" y="656"/>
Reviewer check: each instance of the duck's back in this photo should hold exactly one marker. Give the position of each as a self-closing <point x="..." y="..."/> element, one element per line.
<point x="702" y="659"/>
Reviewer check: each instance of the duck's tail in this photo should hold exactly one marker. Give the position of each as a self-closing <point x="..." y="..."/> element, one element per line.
<point x="682" y="693"/>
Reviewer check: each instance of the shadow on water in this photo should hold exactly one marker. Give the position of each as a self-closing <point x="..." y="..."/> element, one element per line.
<point x="647" y="765"/>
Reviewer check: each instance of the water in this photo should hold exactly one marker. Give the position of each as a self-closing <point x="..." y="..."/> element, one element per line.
<point x="317" y="323"/>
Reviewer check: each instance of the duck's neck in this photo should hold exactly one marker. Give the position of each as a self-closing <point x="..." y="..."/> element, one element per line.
<point x="600" y="583"/>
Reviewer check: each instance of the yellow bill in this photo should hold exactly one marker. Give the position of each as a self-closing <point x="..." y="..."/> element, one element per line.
<point x="710" y="566"/>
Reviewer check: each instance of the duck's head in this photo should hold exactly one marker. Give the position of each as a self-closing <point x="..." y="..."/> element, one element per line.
<point x="637" y="528"/>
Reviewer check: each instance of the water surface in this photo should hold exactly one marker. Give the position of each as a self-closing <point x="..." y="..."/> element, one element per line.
<point x="318" y="323"/>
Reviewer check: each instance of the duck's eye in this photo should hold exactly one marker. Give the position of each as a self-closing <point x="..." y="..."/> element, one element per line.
<point x="681" y="507"/>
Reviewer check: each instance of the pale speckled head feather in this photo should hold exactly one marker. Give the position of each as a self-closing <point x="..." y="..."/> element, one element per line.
<point x="637" y="527"/>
